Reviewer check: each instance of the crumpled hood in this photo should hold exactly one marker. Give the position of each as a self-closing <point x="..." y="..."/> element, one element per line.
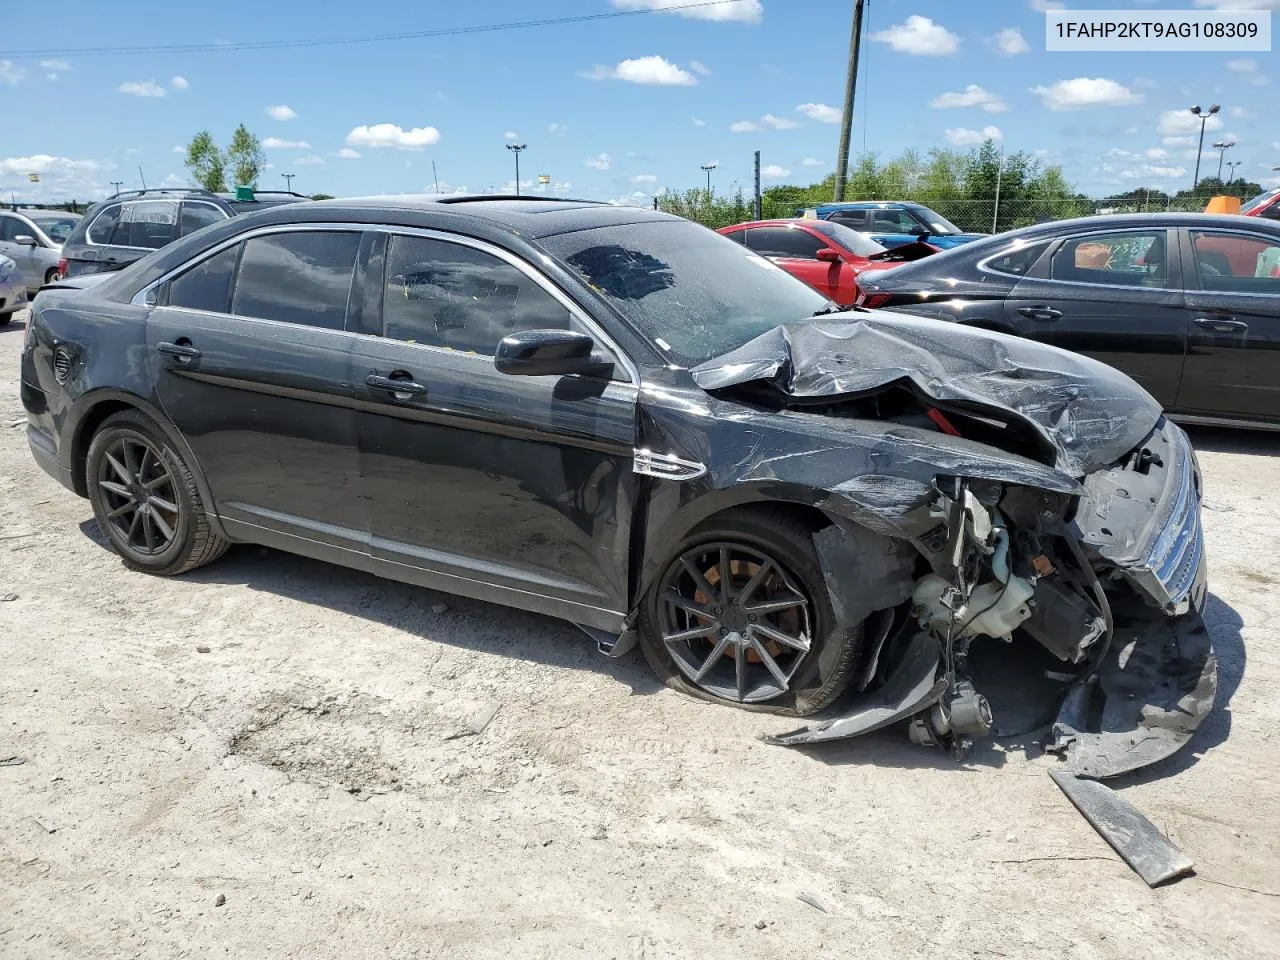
<point x="1091" y="413"/>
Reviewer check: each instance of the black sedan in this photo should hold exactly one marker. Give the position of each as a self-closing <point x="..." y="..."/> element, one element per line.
<point x="619" y="418"/>
<point x="1188" y="304"/>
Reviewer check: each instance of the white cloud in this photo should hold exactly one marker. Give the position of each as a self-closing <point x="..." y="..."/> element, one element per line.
<point x="644" y="178"/>
<point x="133" y="151"/>
<point x="10" y="72"/>
<point x="59" y="176"/>
<point x="743" y="126"/>
<point x="699" y="123"/>
<point x="1178" y="141"/>
<point x="973" y="96"/>
<point x="1239" y="113"/>
<point x="51" y="76"/>
<point x="511" y="135"/>
<point x="173" y="180"/>
<point x="812" y="162"/>
<point x="747" y="11"/>
<point x="1152" y="171"/>
<point x="650" y="71"/>
<point x="1249" y="68"/>
<point x="1083" y="92"/>
<point x="601" y="162"/>
<point x="59" y="66"/>
<point x="179" y="83"/>
<point x="346" y="153"/>
<point x="778" y="123"/>
<point x="1011" y="42"/>
<point x="143" y="88"/>
<point x="774" y="172"/>
<point x="381" y="135"/>
<point x="281" y="111"/>
<point x="275" y="143"/>
<point x="697" y="66"/>
<point x="557" y="129"/>
<point x="309" y="161"/>
<point x="963" y="137"/>
<point x="919" y="36"/>
<point x="1156" y="153"/>
<point x="1043" y="6"/>
<point x="1174" y="123"/>
<point x="820" y="112"/>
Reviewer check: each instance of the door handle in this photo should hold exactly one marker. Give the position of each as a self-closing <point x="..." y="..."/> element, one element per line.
<point x="1227" y="325"/>
<point x="402" y="388"/>
<point x="1040" y="313"/>
<point x="181" y="351"/>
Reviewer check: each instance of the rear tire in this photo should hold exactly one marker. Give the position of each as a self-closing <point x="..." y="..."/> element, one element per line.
<point x="145" y="498"/>
<point x="6" y="317"/>
<point x="678" y="604"/>
<point x="51" y="275"/>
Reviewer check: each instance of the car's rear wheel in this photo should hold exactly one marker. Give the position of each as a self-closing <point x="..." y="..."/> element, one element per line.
<point x="741" y="615"/>
<point x="51" y="275"/>
<point x="145" y="499"/>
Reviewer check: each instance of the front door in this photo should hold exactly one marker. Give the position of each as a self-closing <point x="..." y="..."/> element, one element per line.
<point x="24" y="255"/>
<point x="1233" y="298"/>
<point x="254" y="370"/>
<point x="507" y="488"/>
<point x="1114" y="296"/>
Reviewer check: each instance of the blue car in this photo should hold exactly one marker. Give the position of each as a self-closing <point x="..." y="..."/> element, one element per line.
<point x="892" y="223"/>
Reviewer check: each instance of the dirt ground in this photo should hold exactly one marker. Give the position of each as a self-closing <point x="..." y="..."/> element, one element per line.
<point x="263" y="759"/>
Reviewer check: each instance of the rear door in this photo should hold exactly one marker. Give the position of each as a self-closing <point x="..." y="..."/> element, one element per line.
<point x="510" y="488"/>
<point x="123" y="233"/>
<point x="1233" y="351"/>
<point x="254" y="370"/>
<point x="1113" y="295"/>
<point x="796" y="250"/>
<point x="197" y="214"/>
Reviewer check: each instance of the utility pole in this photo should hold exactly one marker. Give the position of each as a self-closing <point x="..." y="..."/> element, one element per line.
<point x="758" y="211"/>
<point x="516" y="148"/>
<point x="1231" y="167"/>
<point x="288" y="181"/>
<point x="995" y="215"/>
<point x="117" y="184"/>
<point x="1204" y="118"/>
<point x="846" y="123"/>
<point x="1222" y="146"/>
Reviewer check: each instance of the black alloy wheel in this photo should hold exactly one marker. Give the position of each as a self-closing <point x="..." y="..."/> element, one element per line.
<point x="139" y="493"/>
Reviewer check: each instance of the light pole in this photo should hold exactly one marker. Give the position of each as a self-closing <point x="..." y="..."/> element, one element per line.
<point x="708" y="167"/>
<point x="288" y="181"/>
<point x="1231" y="169"/>
<point x="1204" y="118"/>
<point x="117" y="184"/>
<point x="1222" y="146"/>
<point x="516" y="148"/>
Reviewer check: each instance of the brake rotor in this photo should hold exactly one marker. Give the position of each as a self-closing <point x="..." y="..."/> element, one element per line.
<point x="742" y="571"/>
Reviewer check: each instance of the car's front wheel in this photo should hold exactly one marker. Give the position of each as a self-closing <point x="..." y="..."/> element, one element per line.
<point x="145" y="499"/>
<point x="741" y="615"/>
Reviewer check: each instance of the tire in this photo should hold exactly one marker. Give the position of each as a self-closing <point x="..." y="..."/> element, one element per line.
<point x="162" y="483"/>
<point x="5" y="318"/>
<point x="826" y="667"/>
<point x="50" y="275"/>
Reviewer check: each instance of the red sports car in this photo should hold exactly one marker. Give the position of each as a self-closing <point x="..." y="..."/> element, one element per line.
<point x="827" y="256"/>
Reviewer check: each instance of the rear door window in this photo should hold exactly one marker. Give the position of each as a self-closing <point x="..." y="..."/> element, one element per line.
<point x="197" y="214"/>
<point x="149" y="224"/>
<point x="1131" y="259"/>
<point x="892" y="221"/>
<point x="302" y="277"/>
<point x="1017" y="260"/>
<point x="853" y="219"/>
<point x="9" y="229"/>
<point x="1236" y="262"/>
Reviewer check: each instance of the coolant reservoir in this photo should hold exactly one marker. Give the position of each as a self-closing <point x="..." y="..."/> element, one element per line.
<point x="995" y="609"/>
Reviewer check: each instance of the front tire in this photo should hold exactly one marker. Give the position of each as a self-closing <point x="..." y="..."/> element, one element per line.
<point x="770" y="641"/>
<point x="145" y="499"/>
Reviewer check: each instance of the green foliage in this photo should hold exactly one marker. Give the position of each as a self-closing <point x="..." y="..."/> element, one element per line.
<point x="706" y="208"/>
<point x="245" y="158"/>
<point x="205" y="161"/>
<point x="322" y="196"/>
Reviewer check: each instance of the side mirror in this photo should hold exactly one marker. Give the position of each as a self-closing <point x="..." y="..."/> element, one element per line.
<point x="540" y="353"/>
<point x="919" y="231"/>
<point x="25" y="240"/>
<point x="828" y="255"/>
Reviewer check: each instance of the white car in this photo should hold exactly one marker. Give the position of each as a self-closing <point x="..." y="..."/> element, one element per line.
<point x="13" y="292"/>
<point x="33" y="239"/>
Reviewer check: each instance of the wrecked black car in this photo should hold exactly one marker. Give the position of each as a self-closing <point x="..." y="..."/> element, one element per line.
<point x="619" y="418"/>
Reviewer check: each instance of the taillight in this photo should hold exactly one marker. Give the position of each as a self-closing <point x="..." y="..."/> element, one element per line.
<point x="873" y="300"/>
<point x="62" y="267"/>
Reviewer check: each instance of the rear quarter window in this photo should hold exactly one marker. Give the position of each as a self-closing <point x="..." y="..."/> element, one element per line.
<point x="104" y="224"/>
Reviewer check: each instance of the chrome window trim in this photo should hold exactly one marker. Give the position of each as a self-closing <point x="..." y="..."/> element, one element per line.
<point x="528" y="269"/>
<point x="89" y="242"/>
<point x="982" y="264"/>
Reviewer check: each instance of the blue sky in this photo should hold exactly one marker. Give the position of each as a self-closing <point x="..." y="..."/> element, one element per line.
<point x="610" y="108"/>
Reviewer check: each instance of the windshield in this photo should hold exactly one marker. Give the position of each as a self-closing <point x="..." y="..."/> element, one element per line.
<point x="1259" y="201"/>
<point x="691" y="291"/>
<point x="937" y="222"/>
<point x="56" y="228"/>
<point x="847" y="237"/>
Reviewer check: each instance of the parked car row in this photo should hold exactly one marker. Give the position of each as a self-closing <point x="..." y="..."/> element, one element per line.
<point x="33" y="240"/>
<point x="892" y="223"/>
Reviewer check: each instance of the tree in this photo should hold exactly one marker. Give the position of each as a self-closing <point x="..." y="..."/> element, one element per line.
<point x="245" y="158"/>
<point x="206" y="163"/>
<point x="322" y="196"/>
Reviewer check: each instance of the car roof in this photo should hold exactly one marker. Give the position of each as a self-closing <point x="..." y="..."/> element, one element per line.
<point x="1137" y="220"/>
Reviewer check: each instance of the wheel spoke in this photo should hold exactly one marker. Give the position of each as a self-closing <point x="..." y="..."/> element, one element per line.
<point x="770" y="664"/>
<point x="726" y="576"/>
<point x="740" y="662"/>
<point x="712" y="660"/>
<point x="165" y="530"/>
<point x="773" y="606"/>
<point x="698" y="579"/>
<point x="777" y="636"/>
<point x="133" y="526"/>
<point x="142" y="466"/>
<point x="120" y="511"/>
<point x="130" y="459"/>
<point x="753" y="584"/>
<point x="697" y="609"/>
<point x="155" y="482"/>
<point x="118" y="467"/>
<point x="694" y="633"/>
<point x="148" y="530"/>
<point x="118" y="489"/>
<point x="161" y="504"/>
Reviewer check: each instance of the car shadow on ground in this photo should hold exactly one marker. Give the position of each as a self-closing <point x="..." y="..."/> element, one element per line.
<point x="470" y="624"/>
<point x="1260" y="443"/>
<point x="1033" y="717"/>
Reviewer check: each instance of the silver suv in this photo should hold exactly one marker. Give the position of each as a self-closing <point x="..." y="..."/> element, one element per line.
<point x="33" y="240"/>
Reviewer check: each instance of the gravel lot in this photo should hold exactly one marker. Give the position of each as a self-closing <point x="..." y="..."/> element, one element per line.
<point x="263" y="759"/>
